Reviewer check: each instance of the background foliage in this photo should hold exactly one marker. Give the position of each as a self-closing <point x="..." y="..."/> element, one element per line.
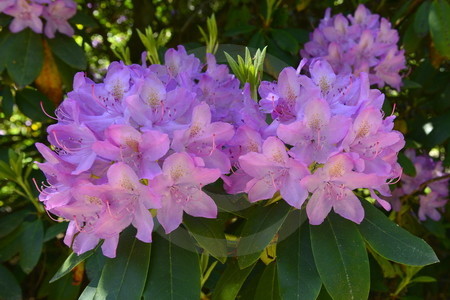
<point x="35" y="69"/>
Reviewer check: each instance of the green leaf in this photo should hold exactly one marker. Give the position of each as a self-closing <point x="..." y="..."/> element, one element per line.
<point x="409" y="84"/>
<point x="84" y="19"/>
<point x="11" y="221"/>
<point x="175" y="268"/>
<point x="124" y="276"/>
<point x="231" y="281"/>
<point x="257" y="40"/>
<point x="10" y="244"/>
<point x="406" y="164"/>
<point x="9" y="287"/>
<point x="4" y="36"/>
<point x="259" y="230"/>
<point x="209" y="233"/>
<point x="393" y="242"/>
<point x="31" y="241"/>
<point x="71" y="262"/>
<point x="268" y="284"/>
<point x="68" y="51"/>
<point x="64" y="289"/>
<point x="54" y="230"/>
<point x="7" y="101"/>
<point x="439" y="21"/>
<point x="25" y="56"/>
<point x="341" y="258"/>
<point x="297" y="273"/>
<point x="28" y="101"/>
<point x="421" y="19"/>
<point x="285" y="40"/>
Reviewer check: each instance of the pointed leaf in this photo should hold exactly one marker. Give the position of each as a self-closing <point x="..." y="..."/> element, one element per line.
<point x="259" y="230"/>
<point x="231" y="281"/>
<point x="209" y="233"/>
<point x="68" y="51"/>
<point x="439" y="21"/>
<point x="71" y="262"/>
<point x="9" y="287"/>
<point x="421" y="19"/>
<point x="11" y="221"/>
<point x="341" y="258"/>
<point x="31" y="241"/>
<point x="268" y="284"/>
<point x="28" y="101"/>
<point x="175" y="268"/>
<point x="124" y="276"/>
<point x="7" y="101"/>
<point x="25" y="56"/>
<point x="393" y="242"/>
<point x="297" y="273"/>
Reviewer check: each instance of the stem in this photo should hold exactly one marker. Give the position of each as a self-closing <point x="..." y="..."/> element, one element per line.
<point x="30" y="196"/>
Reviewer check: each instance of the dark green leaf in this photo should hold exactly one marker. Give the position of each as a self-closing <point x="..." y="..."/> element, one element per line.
<point x="54" y="230"/>
<point x="94" y="266"/>
<point x="259" y="230"/>
<point x="257" y="40"/>
<point x="231" y="281"/>
<point x="4" y="20"/>
<point x="410" y="39"/>
<point x="10" y="244"/>
<point x="25" y="56"/>
<point x="243" y="29"/>
<point x="297" y="273"/>
<point x="124" y="276"/>
<point x="9" y="287"/>
<point x="209" y="233"/>
<point x="285" y="40"/>
<point x="393" y="242"/>
<point x="68" y="51"/>
<point x="31" y="240"/>
<point x="439" y="21"/>
<point x="175" y="268"/>
<point x="424" y="279"/>
<point x="268" y="284"/>
<point x="421" y="19"/>
<point x="4" y="45"/>
<point x="7" y="101"/>
<point x="71" y="262"/>
<point x="439" y="134"/>
<point x="64" y="289"/>
<point x="11" y="221"/>
<point x="84" y="19"/>
<point x="341" y="258"/>
<point x="407" y="164"/>
<point x="409" y="84"/>
<point x="28" y="101"/>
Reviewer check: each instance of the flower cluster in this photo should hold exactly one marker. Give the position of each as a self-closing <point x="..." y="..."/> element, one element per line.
<point x="363" y="42"/>
<point x="338" y="141"/>
<point x="28" y="13"/>
<point x="146" y="139"/>
<point x="430" y="173"/>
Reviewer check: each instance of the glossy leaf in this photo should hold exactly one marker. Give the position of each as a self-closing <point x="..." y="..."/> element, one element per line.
<point x="25" y="56"/>
<point x="439" y="21"/>
<point x="28" y="101"/>
<point x="268" y="284"/>
<point x="341" y="258"/>
<point x="421" y="19"/>
<point x="31" y="241"/>
<point x="393" y="242"/>
<point x="68" y="51"/>
<point x="11" y="221"/>
<point x="285" y="40"/>
<point x="7" y="101"/>
<point x="175" y="268"/>
<point x="71" y="262"/>
<point x="64" y="289"/>
<point x="259" y="230"/>
<point x="9" y="287"/>
<point x="297" y="273"/>
<point x="124" y="276"/>
<point x="209" y="233"/>
<point x="54" y="230"/>
<point x="231" y="281"/>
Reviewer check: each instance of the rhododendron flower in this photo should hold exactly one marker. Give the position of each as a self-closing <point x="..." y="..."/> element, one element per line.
<point x="331" y="187"/>
<point x="180" y="186"/>
<point x="56" y="14"/>
<point x="360" y="43"/>
<point x="273" y="170"/>
<point x="25" y="15"/>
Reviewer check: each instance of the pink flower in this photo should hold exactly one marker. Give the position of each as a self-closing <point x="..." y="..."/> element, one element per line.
<point x="180" y="186"/>
<point x="25" y="15"/>
<point x="56" y="14"/>
<point x="273" y="170"/>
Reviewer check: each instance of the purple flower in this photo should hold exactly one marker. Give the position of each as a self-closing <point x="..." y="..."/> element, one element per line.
<point x="273" y="170"/>
<point x="56" y="14"/>
<point x="5" y="4"/>
<point x="331" y="187"/>
<point x="180" y="186"/>
<point x="25" y="15"/>
<point x="429" y="205"/>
